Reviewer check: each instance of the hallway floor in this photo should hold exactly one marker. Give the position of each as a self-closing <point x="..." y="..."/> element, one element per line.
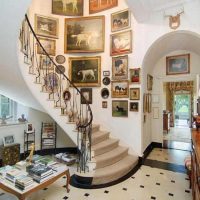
<point x="149" y="182"/>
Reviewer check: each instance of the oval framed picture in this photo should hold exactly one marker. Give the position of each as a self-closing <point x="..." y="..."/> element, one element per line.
<point x="66" y="95"/>
<point x="106" y="80"/>
<point x="60" y="69"/>
<point x="105" y="93"/>
<point x="60" y="59"/>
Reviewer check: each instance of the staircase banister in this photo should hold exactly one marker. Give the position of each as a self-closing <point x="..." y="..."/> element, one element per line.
<point x="61" y="72"/>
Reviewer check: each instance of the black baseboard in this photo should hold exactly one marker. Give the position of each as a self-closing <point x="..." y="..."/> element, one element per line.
<point x="86" y="182"/>
<point x="71" y="150"/>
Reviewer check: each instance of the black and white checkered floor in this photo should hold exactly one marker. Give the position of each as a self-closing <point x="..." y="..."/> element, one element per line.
<point x="149" y="182"/>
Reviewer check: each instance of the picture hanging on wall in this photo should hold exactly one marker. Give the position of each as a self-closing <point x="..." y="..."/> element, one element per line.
<point x="134" y="106"/>
<point x="45" y="63"/>
<point x="60" y="59"/>
<point x="119" y="108"/>
<point x="149" y="82"/>
<point x="8" y="140"/>
<point x="120" y="67"/>
<point x="51" y="82"/>
<point x="46" y="26"/>
<point x="106" y="80"/>
<point x="120" y="20"/>
<point x="85" y="71"/>
<point x="105" y="93"/>
<point x="134" y="93"/>
<point x="121" y="43"/>
<point x="135" y="75"/>
<point x="86" y="95"/>
<point x="120" y="89"/>
<point x="106" y="73"/>
<point x="84" y="34"/>
<point x="49" y="46"/>
<point x="179" y="64"/>
<point x="67" y="7"/>
<point x="104" y="104"/>
<point x="100" y="5"/>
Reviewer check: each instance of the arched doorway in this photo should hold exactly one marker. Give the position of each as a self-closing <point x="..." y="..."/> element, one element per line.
<point x="168" y="44"/>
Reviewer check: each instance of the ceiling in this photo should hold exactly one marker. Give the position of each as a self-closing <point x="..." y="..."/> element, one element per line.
<point x="143" y="9"/>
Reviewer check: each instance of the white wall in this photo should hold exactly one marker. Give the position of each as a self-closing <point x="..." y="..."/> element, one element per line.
<point x="126" y="129"/>
<point x="36" y="118"/>
<point x="160" y="77"/>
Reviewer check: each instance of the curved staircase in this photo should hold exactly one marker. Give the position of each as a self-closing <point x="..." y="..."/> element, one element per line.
<point x="102" y="161"/>
<point x="110" y="162"/>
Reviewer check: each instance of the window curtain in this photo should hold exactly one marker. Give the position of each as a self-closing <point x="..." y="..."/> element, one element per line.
<point x="173" y="87"/>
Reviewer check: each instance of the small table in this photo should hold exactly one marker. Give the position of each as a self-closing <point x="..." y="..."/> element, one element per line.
<point x="22" y="194"/>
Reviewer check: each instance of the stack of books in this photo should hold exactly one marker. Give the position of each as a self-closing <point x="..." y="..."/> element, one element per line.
<point x="39" y="172"/>
<point x="4" y="170"/>
<point x="13" y="174"/>
<point x="24" y="182"/>
<point x="21" y="164"/>
<point x="48" y="161"/>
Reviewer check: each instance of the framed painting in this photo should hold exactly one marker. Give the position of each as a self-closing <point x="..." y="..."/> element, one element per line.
<point x="120" y="20"/>
<point x="85" y="71"/>
<point x="134" y="93"/>
<point x="51" y="82"/>
<point x="120" y="108"/>
<point x="100" y="5"/>
<point x="120" y="67"/>
<point x="134" y="75"/>
<point x="104" y="104"/>
<point x="46" y="26"/>
<point x="179" y="64"/>
<point x="60" y="59"/>
<point x="45" y="63"/>
<point x="49" y="46"/>
<point x="67" y="7"/>
<point x="105" y="93"/>
<point x="120" y="89"/>
<point x="121" y="43"/>
<point x="85" y="34"/>
<point x="106" y="80"/>
<point x="86" y="95"/>
<point x="8" y="140"/>
<point x="29" y="128"/>
<point x="134" y="106"/>
<point x="149" y="82"/>
<point x="106" y="73"/>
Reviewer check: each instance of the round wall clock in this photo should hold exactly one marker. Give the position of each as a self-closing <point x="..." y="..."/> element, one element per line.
<point x="60" y="59"/>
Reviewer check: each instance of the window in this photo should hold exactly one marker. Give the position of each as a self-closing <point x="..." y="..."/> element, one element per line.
<point x="7" y="107"/>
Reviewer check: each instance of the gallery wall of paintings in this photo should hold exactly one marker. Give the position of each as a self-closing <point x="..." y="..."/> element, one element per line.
<point x="92" y="42"/>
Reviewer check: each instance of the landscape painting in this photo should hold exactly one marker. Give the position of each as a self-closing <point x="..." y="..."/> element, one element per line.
<point x="85" y="71"/>
<point x="85" y="34"/>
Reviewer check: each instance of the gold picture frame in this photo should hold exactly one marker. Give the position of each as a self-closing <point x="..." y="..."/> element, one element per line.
<point x="120" y="20"/>
<point x="49" y="46"/>
<point x="134" y="93"/>
<point x="149" y="82"/>
<point x="135" y="75"/>
<point x="67" y="7"/>
<point x="99" y="5"/>
<point x="121" y="43"/>
<point x="46" y="26"/>
<point x="179" y="64"/>
<point x="120" y="89"/>
<point x="84" y="34"/>
<point x="85" y="71"/>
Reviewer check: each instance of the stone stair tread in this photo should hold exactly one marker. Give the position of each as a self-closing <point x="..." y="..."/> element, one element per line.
<point x="99" y="136"/>
<point x="111" y="154"/>
<point x="104" y="144"/>
<point x="114" y="171"/>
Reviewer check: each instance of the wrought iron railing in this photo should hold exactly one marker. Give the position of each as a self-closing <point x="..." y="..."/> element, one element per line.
<point x="64" y="94"/>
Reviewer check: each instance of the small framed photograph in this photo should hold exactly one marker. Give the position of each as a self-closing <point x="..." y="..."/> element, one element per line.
<point x="149" y="82"/>
<point x="120" y="67"/>
<point x="120" y="20"/>
<point x="104" y="104"/>
<point x="121" y="43"/>
<point x="67" y="7"/>
<point x="87" y="95"/>
<point x="106" y="80"/>
<point x="105" y="93"/>
<point x="134" y="93"/>
<point x="49" y="46"/>
<point x="46" y="26"/>
<point x="179" y="64"/>
<point x="134" y="75"/>
<point x="134" y="106"/>
<point x="45" y="63"/>
<point x="29" y="128"/>
<point x="120" y="89"/>
<point x="8" y="140"/>
<point x="106" y="73"/>
<point x="119" y="108"/>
